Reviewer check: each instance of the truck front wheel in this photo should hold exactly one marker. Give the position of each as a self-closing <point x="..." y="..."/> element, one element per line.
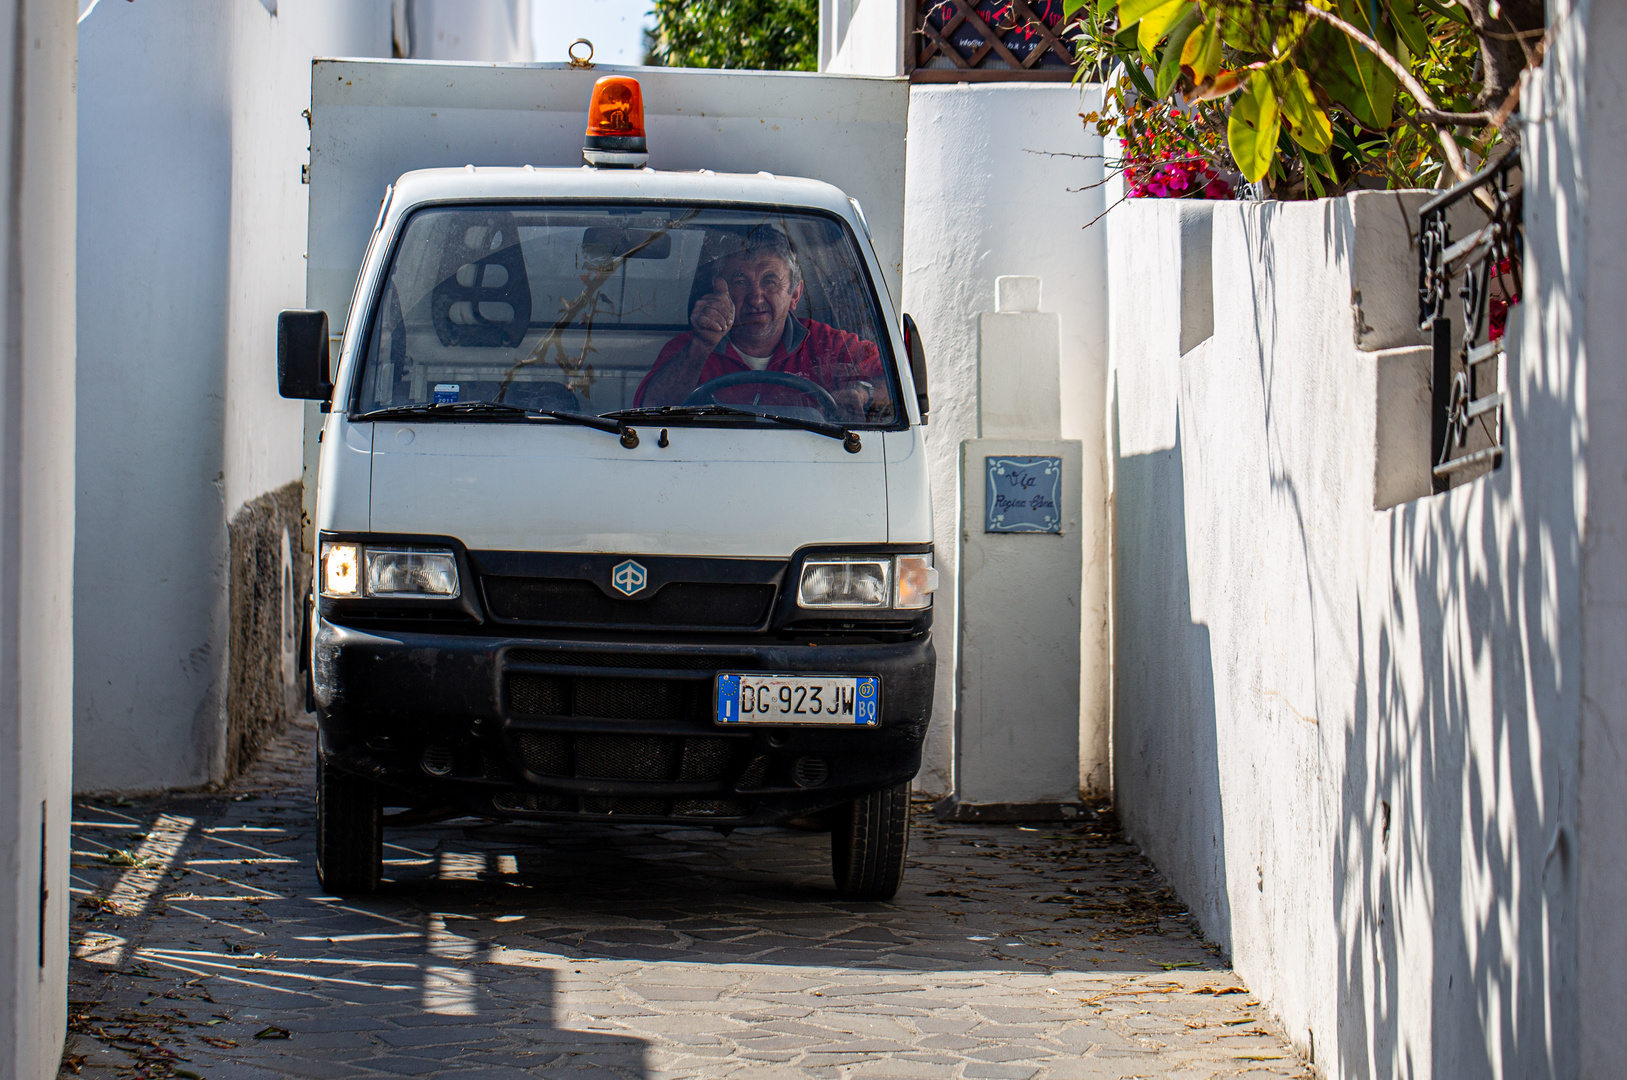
<point x="349" y="832"/>
<point x="868" y="840"/>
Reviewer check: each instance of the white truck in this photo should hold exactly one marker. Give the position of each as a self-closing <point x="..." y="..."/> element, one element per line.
<point x="621" y="508"/>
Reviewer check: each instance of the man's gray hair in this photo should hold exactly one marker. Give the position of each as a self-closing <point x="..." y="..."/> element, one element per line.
<point x="767" y="240"/>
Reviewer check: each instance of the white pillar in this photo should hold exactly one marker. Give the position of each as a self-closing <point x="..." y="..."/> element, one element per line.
<point x="1017" y="734"/>
<point x="36" y="528"/>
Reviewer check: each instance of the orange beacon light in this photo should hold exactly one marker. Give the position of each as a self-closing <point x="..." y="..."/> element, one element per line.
<point x="615" y="135"/>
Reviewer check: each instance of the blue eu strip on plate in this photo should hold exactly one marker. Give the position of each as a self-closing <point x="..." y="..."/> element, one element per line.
<point x="845" y="700"/>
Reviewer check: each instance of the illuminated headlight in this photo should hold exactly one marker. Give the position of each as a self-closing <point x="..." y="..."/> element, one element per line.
<point x="916" y="580"/>
<point x="350" y="570"/>
<point x="404" y="572"/>
<point x="854" y="582"/>
<point x="341" y="569"/>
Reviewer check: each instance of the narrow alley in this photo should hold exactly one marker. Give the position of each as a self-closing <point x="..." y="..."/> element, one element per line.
<point x="203" y="947"/>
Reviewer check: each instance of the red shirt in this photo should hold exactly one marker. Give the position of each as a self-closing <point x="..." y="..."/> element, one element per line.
<point x="822" y="354"/>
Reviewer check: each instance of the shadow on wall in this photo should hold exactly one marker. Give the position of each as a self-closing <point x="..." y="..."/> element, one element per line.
<point x="1170" y="678"/>
<point x="1459" y="793"/>
<point x="270" y="576"/>
<point x="1441" y="643"/>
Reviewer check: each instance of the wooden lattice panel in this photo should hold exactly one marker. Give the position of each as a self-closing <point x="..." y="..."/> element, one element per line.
<point x="989" y="39"/>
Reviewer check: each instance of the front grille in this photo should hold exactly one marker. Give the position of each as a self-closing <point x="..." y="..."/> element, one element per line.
<point x="707" y="808"/>
<point x="627" y="757"/>
<point x="528" y="802"/>
<point x="631" y="699"/>
<point x="537" y="695"/>
<point x="618" y="805"/>
<point x="754" y="775"/>
<point x="690" y="758"/>
<point x="662" y="661"/>
<point x="607" y="699"/>
<point x="546" y="755"/>
<point x="658" y="758"/>
<point x="577" y="602"/>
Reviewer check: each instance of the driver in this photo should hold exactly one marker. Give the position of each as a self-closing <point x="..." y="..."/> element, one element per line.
<point x="745" y="324"/>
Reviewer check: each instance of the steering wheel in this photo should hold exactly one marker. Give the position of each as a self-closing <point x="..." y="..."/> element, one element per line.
<point x="706" y="392"/>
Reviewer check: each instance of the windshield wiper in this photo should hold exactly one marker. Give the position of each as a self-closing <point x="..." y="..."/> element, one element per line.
<point x="629" y="436"/>
<point x="445" y="408"/>
<point x="847" y="436"/>
<point x="608" y="422"/>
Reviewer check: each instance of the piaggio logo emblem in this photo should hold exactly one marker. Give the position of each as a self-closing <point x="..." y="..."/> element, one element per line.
<point x="628" y="577"/>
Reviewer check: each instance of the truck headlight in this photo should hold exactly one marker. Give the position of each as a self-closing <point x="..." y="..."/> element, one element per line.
<point x="351" y="570"/>
<point x="406" y="572"/>
<point x="916" y="580"/>
<point x="846" y="582"/>
<point x="341" y="569"/>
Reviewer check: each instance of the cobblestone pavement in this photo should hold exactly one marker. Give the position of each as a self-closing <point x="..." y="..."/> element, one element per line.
<point x="204" y="948"/>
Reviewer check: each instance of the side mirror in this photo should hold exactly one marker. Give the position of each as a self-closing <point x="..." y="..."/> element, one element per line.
<point x="917" y="355"/>
<point x="302" y="356"/>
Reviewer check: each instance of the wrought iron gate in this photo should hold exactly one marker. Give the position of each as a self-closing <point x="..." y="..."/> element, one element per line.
<point x="1470" y="382"/>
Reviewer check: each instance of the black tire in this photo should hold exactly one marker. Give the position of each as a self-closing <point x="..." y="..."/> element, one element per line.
<point x="868" y="841"/>
<point x="349" y="832"/>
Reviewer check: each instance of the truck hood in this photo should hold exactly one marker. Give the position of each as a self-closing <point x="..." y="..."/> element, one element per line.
<point x="555" y="487"/>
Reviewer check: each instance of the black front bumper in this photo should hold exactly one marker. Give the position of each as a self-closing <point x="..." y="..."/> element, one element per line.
<point x="513" y="726"/>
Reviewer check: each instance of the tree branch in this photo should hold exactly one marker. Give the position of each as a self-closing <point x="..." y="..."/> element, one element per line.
<point x="1449" y="143"/>
<point x="1476" y="119"/>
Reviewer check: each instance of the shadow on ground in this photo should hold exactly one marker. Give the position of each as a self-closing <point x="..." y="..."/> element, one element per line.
<point x="508" y="950"/>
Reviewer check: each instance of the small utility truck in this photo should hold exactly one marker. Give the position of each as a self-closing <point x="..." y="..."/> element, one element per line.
<point x="621" y="512"/>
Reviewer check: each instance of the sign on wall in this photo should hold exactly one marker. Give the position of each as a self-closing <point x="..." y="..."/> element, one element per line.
<point x="1023" y="495"/>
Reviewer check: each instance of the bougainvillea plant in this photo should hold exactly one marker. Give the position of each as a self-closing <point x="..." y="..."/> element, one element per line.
<point x="1165" y="152"/>
<point x="1315" y="97"/>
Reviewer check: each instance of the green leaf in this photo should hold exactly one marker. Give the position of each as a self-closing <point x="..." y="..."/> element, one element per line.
<point x="1133" y="11"/>
<point x="1251" y="132"/>
<point x="1450" y="11"/>
<point x="1317" y="166"/>
<point x="1242" y="29"/>
<point x="1104" y="6"/>
<point x="1409" y="27"/>
<point x="1307" y="122"/>
<point x="1201" y="58"/>
<point x="1169" y="66"/>
<point x="1355" y="80"/>
<point x="1138" y="79"/>
<point x="1071" y="6"/>
<point x="1156" y="23"/>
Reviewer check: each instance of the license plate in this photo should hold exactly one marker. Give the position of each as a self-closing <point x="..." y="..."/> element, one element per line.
<point x="845" y="700"/>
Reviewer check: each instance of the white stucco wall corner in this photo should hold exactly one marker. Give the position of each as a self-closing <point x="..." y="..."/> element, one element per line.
<point x="1402" y="423"/>
<point x="970" y="147"/>
<point x="191" y="226"/>
<point x="1381" y="247"/>
<point x="1197" y="309"/>
<point x="1322" y="676"/>
<point x="37" y="480"/>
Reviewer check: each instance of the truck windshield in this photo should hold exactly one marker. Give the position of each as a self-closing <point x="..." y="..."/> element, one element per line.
<point x="601" y="309"/>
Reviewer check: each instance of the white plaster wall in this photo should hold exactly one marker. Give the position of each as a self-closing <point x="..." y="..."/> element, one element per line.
<point x="987" y="179"/>
<point x="191" y="238"/>
<point x="1577" y="236"/>
<point x="36" y="529"/>
<point x="1347" y="736"/>
<point x="862" y="37"/>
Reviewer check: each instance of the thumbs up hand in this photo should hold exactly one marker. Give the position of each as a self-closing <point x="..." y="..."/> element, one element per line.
<point x="713" y="315"/>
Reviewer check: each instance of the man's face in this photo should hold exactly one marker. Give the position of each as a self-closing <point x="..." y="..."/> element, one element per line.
<point x="760" y="286"/>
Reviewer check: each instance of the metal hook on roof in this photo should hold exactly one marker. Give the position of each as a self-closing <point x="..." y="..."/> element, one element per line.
<point x="580" y="61"/>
